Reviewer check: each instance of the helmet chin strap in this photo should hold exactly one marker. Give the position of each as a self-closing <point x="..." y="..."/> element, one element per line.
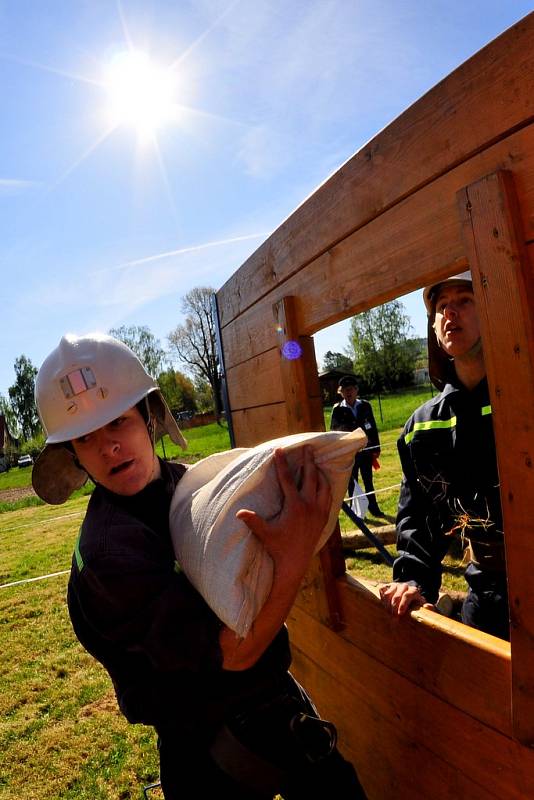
<point x="476" y="349"/>
<point x="151" y="424"/>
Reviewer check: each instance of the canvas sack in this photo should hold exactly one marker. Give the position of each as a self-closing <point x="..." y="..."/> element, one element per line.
<point x="221" y="557"/>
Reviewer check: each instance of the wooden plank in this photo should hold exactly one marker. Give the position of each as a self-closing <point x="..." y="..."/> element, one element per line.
<point x="488" y="96"/>
<point x="255" y="382"/>
<point x="438" y="653"/>
<point x="414" y="243"/>
<point x="388" y="765"/>
<point x="401" y="729"/>
<point x="504" y="289"/>
<point x="255" y="425"/>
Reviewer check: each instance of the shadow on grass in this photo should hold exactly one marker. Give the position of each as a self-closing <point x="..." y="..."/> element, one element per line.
<point x="453" y="565"/>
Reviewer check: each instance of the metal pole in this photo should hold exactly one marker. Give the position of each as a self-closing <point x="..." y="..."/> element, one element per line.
<point x="380" y="407"/>
<point x="388" y="558"/>
<point x="220" y="356"/>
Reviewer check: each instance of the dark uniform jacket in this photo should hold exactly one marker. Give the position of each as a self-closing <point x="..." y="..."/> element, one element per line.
<point x="343" y="419"/>
<point x="450" y="487"/>
<point x="135" y="611"/>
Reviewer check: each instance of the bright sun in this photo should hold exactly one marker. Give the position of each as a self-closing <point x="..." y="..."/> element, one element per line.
<point x="140" y="94"/>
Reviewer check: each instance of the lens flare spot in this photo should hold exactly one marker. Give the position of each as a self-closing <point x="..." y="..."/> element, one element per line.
<point x="291" y="350"/>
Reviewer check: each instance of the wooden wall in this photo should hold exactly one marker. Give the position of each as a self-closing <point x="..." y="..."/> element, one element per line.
<point x="426" y="705"/>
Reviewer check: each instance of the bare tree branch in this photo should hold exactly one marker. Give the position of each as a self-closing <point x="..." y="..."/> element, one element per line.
<point x="193" y="342"/>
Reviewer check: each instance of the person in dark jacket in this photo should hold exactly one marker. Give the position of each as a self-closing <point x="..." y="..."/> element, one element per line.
<point x="450" y="485"/>
<point x="230" y="718"/>
<point x="350" y="413"/>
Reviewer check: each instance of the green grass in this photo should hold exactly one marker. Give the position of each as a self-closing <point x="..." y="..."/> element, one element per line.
<point x="370" y="565"/>
<point x="201" y="442"/>
<point x="16" y="478"/>
<point x="392" y="410"/>
<point x="61" y="735"/>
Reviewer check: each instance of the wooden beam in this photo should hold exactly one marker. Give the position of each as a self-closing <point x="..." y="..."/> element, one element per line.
<point x="415" y="243"/>
<point x="298" y="368"/>
<point x="503" y="282"/>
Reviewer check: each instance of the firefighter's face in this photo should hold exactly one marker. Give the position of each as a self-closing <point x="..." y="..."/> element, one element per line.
<point x="119" y="455"/>
<point x="455" y="320"/>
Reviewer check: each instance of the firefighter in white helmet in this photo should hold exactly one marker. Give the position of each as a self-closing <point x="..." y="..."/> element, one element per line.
<point x="231" y="720"/>
<point x="450" y="485"/>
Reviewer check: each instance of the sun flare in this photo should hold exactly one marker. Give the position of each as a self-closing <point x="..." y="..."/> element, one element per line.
<point x="141" y="95"/>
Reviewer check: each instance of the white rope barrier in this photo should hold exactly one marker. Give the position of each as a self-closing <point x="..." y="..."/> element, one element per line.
<point x="48" y="519"/>
<point x="377" y="491"/>
<point x="31" y="580"/>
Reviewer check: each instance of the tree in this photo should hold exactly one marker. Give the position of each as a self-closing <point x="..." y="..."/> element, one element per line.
<point x="194" y="341"/>
<point x="178" y="390"/>
<point x="146" y="347"/>
<point x="203" y="396"/>
<point x="22" y="397"/>
<point x="337" y="361"/>
<point x="6" y="410"/>
<point x="384" y="352"/>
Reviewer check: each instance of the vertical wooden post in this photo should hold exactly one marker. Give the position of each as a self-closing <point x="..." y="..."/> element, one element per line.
<point x="298" y="369"/>
<point x="503" y="284"/>
<point x="300" y="382"/>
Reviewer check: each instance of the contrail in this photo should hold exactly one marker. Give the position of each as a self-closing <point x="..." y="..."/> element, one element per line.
<point x="15" y="183"/>
<point x="193" y="249"/>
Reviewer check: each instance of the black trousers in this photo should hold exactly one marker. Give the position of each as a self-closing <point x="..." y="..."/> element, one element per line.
<point x="364" y="463"/>
<point x="303" y="770"/>
<point x="487" y="610"/>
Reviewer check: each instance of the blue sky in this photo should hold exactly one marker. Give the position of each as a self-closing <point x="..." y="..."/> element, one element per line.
<point x="104" y="224"/>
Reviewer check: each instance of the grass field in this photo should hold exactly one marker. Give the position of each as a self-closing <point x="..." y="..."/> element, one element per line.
<point x="61" y="736"/>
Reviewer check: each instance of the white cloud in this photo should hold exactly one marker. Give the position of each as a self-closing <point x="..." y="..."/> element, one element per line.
<point x="134" y="283"/>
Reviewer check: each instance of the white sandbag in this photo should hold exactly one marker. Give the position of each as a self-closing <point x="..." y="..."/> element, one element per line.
<point x="225" y="562"/>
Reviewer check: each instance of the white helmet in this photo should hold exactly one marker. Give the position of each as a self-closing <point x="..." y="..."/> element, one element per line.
<point x="84" y="384"/>
<point x="429" y="292"/>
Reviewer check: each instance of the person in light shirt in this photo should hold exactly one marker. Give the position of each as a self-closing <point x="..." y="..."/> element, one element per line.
<point x="350" y="413"/>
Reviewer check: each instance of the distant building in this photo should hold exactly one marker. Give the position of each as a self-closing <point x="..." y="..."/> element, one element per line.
<point x="421" y="375"/>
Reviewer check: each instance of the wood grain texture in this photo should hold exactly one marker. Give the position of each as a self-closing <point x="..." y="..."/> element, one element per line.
<point x="432" y="650"/>
<point x="298" y="370"/>
<point x="416" y="242"/>
<point x="504" y="288"/>
<point x="399" y="733"/>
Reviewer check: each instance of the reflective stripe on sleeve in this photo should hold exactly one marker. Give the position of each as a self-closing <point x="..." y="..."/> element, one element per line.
<point x="433" y="424"/>
<point x="77" y="554"/>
